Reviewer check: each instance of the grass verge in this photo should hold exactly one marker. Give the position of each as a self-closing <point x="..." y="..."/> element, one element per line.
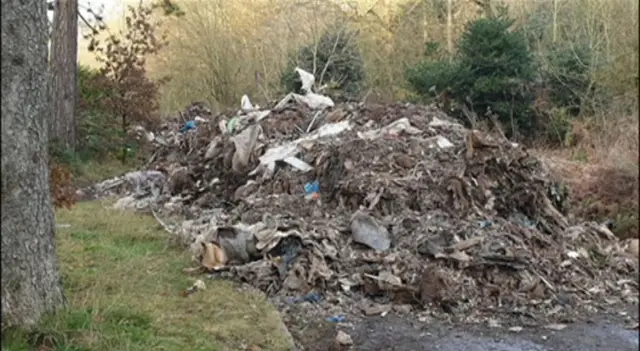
<point x="123" y="286"/>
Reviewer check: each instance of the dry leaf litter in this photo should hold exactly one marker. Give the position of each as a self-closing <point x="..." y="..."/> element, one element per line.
<point x="371" y="209"/>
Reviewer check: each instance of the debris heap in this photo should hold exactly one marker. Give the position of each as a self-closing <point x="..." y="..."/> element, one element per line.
<point x="376" y="205"/>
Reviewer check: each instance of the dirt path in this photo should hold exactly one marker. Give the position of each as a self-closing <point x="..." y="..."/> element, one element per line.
<point x="400" y="335"/>
<point x="602" y="333"/>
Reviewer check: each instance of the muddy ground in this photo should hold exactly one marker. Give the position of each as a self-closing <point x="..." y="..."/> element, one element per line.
<point x="601" y="332"/>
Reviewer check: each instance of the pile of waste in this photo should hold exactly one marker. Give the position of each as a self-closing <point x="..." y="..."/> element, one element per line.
<point x="373" y="206"/>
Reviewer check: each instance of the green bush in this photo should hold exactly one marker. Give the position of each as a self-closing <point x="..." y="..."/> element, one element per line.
<point x="99" y="134"/>
<point x="427" y="79"/>
<point x="493" y="70"/>
<point x="99" y="130"/>
<point x="338" y="52"/>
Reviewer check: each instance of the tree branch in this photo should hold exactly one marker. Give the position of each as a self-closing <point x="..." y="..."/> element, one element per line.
<point x="93" y="29"/>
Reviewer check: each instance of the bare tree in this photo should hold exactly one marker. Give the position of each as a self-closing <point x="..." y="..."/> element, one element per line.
<point x="30" y="277"/>
<point x="488" y="6"/>
<point x="449" y="28"/>
<point x="64" y="55"/>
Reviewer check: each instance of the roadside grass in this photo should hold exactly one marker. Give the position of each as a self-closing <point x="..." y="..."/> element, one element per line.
<point x="123" y="283"/>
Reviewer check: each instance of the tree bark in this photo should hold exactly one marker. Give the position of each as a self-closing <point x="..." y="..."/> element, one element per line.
<point x="555" y="20"/>
<point x="64" y="66"/>
<point x="450" y="29"/>
<point x="30" y="277"/>
<point x="488" y="7"/>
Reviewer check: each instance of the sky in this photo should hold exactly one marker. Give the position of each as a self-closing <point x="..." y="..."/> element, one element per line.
<point x="110" y="8"/>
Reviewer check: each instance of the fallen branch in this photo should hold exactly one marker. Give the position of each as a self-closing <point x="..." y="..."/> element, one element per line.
<point x="166" y="228"/>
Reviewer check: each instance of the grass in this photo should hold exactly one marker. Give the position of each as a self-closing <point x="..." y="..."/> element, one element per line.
<point x="123" y="286"/>
<point x="92" y="171"/>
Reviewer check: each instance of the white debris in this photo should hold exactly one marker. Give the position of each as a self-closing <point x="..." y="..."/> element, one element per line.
<point x="314" y="101"/>
<point x="307" y="80"/>
<point x="443" y="142"/>
<point x="393" y="128"/>
<point x="437" y="122"/>
<point x="245" y="104"/>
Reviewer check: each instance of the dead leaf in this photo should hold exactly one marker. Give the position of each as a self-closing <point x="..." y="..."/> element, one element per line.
<point x="606" y="232"/>
<point x="456" y="255"/>
<point x="214" y="257"/>
<point x="554" y="310"/>
<point x="403" y="160"/>
<point x="465" y="244"/>
<point x="555" y="326"/>
<point x="389" y="278"/>
<point x="348" y="165"/>
<point x="375" y="309"/>
<point x="343" y="338"/>
<point x="633" y="248"/>
<point x="433" y="285"/>
<point x="374" y="198"/>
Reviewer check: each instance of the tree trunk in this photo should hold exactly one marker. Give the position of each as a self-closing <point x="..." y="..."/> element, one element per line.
<point x="488" y="7"/>
<point x="30" y="278"/>
<point x="425" y="26"/>
<point x="64" y="55"/>
<point x="555" y="20"/>
<point x="450" y="29"/>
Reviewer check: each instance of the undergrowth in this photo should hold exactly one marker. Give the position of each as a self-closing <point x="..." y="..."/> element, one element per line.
<point x="602" y="171"/>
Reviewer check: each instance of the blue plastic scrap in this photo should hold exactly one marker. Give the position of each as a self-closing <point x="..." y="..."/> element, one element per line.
<point x="289" y="256"/>
<point x="313" y="187"/>
<point x="188" y="126"/>
<point x="336" y="319"/>
<point x="310" y="297"/>
<point x="484" y="224"/>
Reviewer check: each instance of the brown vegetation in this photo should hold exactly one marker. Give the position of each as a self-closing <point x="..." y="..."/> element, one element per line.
<point x="602" y="173"/>
<point x="62" y="190"/>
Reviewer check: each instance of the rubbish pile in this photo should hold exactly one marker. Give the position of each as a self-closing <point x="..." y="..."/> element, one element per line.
<point x="372" y="206"/>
